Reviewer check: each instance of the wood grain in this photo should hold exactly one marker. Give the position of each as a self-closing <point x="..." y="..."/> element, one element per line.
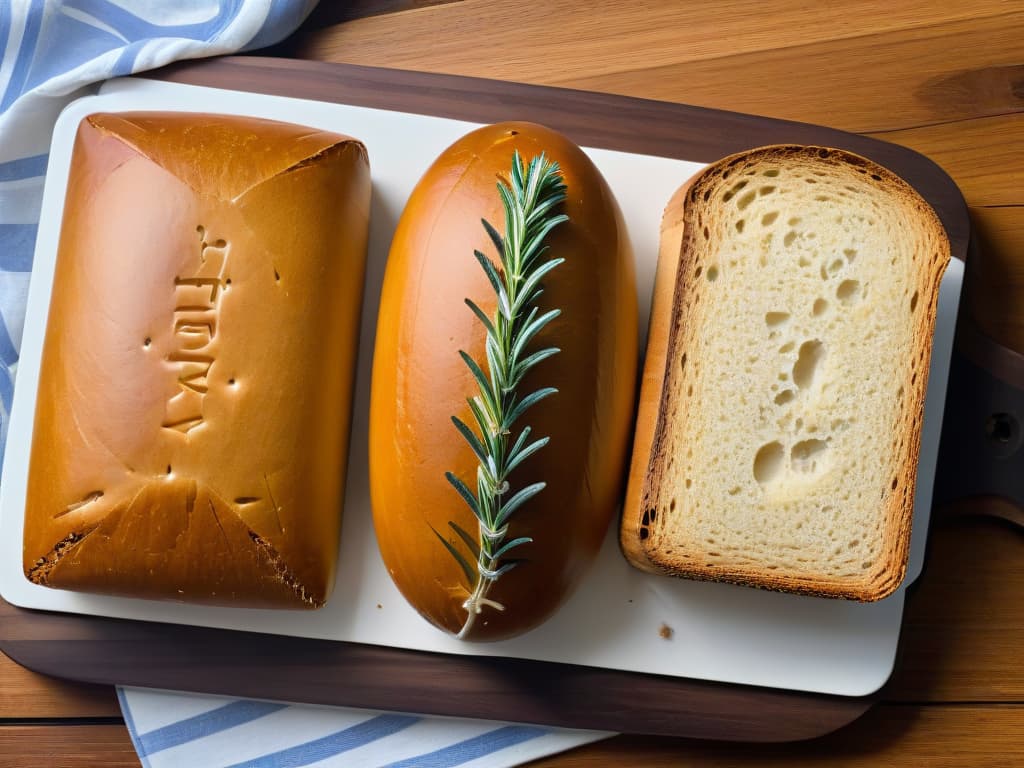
<point x="66" y="746"/>
<point x="330" y="13"/>
<point x="886" y="67"/>
<point x="980" y="154"/>
<point x="27" y="694"/>
<point x="860" y="65"/>
<point x="889" y="736"/>
<point x="997" y="278"/>
<point x="963" y="629"/>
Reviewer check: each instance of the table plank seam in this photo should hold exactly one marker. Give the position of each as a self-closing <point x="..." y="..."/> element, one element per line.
<point x="940" y="123"/>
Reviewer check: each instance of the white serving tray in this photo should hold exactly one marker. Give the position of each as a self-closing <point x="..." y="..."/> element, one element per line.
<point x="720" y="632"/>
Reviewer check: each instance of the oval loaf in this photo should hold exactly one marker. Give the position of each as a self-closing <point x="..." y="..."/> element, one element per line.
<point x="420" y="382"/>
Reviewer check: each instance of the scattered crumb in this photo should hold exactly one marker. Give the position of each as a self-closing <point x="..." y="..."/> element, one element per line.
<point x="666" y="632"/>
<point x="379" y="605"/>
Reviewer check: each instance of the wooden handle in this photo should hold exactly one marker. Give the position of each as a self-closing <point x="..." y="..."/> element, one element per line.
<point x="981" y="456"/>
<point x="980" y="471"/>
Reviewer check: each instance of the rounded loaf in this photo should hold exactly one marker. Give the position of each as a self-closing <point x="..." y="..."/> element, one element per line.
<point x="420" y="382"/>
<point x="191" y="428"/>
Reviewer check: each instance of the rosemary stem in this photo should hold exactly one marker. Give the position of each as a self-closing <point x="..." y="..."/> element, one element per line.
<point x="475" y="602"/>
<point x="529" y="199"/>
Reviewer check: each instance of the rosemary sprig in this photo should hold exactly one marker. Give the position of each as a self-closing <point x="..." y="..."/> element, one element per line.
<point x="529" y="198"/>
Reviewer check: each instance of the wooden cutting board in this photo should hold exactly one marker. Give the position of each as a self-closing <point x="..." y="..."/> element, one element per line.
<point x="327" y="672"/>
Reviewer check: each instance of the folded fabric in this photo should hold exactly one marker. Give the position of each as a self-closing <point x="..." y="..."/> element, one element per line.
<point x="53" y="52"/>
<point x="173" y="730"/>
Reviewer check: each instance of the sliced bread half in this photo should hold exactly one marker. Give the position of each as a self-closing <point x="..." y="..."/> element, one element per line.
<point x="783" y="389"/>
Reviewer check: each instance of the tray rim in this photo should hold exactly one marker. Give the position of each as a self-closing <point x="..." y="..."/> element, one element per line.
<point x="865" y="675"/>
<point x="953" y="214"/>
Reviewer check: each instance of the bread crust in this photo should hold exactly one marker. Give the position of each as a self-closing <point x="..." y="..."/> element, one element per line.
<point x="420" y="382"/>
<point x="191" y="434"/>
<point x="675" y="319"/>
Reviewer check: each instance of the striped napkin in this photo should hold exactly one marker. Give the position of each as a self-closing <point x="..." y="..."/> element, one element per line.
<point x="51" y="52"/>
<point x="169" y="730"/>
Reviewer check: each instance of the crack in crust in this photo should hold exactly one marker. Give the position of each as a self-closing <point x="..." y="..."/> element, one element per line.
<point x="284" y="574"/>
<point x="40" y="572"/>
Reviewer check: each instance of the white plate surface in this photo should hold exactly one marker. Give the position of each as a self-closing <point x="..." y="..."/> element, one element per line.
<point x="721" y="632"/>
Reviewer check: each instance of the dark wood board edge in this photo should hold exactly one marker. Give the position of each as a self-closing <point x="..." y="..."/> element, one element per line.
<point x="604" y="120"/>
<point x="228" y="662"/>
<point x="94" y="649"/>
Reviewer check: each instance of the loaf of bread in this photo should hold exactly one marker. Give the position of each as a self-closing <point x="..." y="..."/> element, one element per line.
<point x="429" y="538"/>
<point x="783" y="389"/>
<point x="191" y="428"/>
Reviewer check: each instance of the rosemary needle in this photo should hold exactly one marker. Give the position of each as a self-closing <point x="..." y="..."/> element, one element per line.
<point x="530" y="199"/>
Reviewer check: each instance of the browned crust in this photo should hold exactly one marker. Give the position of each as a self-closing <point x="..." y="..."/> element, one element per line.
<point x="104" y="513"/>
<point x="420" y="382"/>
<point x="673" y="312"/>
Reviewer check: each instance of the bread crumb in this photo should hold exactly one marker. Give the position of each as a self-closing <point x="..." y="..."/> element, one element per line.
<point x="379" y="606"/>
<point x="666" y="632"/>
<point x="790" y="336"/>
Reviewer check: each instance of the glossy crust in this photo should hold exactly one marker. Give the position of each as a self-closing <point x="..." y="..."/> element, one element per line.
<point x="419" y="382"/>
<point x="192" y="422"/>
<point x="675" y="327"/>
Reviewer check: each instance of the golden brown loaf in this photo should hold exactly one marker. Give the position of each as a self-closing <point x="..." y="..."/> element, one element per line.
<point x="790" y="338"/>
<point x="420" y="383"/>
<point x="192" y="421"/>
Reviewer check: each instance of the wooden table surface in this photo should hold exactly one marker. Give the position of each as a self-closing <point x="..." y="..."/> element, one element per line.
<point x="946" y="79"/>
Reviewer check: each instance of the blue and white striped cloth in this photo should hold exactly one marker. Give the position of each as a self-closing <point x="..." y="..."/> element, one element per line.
<point x="173" y="730"/>
<point x="51" y="52"/>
